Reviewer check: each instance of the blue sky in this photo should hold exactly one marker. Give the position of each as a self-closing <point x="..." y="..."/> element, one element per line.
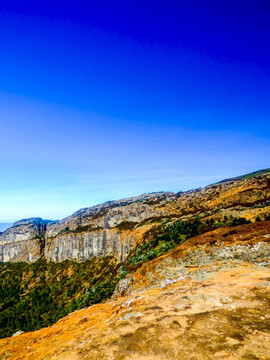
<point x="109" y="100"/>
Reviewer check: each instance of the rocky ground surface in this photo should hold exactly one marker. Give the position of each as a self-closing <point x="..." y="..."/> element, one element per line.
<point x="248" y="243"/>
<point x="206" y="299"/>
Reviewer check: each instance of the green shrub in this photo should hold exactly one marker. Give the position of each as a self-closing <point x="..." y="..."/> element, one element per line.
<point x="126" y="225"/>
<point x="166" y="238"/>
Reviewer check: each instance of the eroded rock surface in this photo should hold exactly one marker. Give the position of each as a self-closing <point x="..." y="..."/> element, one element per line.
<point x="24" y="241"/>
<point x="114" y="227"/>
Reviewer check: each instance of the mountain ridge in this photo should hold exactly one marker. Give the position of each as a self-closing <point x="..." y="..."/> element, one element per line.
<point x="169" y="275"/>
<point x="245" y="176"/>
<point x="142" y="196"/>
<point x="112" y="228"/>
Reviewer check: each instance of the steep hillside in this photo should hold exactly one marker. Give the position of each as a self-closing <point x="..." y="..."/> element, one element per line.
<point x="208" y="298"/>
<point x="36" y="295"/>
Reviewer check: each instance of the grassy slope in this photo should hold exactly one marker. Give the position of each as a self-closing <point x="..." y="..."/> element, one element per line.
<point x="246" y="176"/>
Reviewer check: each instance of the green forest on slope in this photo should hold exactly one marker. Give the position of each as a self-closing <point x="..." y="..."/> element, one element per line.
<point x="36" y="295"/>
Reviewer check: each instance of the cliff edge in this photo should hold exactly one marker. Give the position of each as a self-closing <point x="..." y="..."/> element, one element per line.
<point x="113" y="228"/>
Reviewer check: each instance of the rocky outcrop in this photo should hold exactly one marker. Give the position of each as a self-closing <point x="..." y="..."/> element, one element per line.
<point x="114" y="227"/>
<point x="85" y="245"/>
<point x="107" y="229"/>
<point x="249" y="243"/>
<point x="24" y="241"/>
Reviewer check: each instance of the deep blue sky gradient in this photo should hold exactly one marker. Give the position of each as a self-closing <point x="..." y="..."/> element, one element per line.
<point x="103" y="100"/>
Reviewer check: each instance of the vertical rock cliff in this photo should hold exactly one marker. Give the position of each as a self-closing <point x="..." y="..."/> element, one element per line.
<point x="24" y="241"/>
<point x="106" y="229"/>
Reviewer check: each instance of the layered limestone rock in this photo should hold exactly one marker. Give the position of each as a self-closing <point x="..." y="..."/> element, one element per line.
<point x="83" y="246"/>
<point x="112" y="213"/>
<point x="23" y="241"/>
<point x="107" y="229"/>
<point x="114" y="227"/>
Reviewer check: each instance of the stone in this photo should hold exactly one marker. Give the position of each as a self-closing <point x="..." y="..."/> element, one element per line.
<point x="232" y="341"/>
<point x="222" y="354"/>
<point x="19" y="332"/>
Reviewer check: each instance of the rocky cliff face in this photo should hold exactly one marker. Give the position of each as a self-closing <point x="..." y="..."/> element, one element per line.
<point x="108" y="229"/>
<point x="114" y="227"/>
<point x="24" y="241"/>
<point x="85" y="245"/>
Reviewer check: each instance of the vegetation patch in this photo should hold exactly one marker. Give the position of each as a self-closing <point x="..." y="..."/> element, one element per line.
<point x="153" y="201"/>
<point x="156" y="219"/>
<point x="126" y="225"/>
<point x="85" y="228"/>
<point x="168" y="237"/>
<point x="243" y="177"/>
<point x="79" y="229"/>
<point x="162" y="238"/>
<point x="37" y="295"/>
